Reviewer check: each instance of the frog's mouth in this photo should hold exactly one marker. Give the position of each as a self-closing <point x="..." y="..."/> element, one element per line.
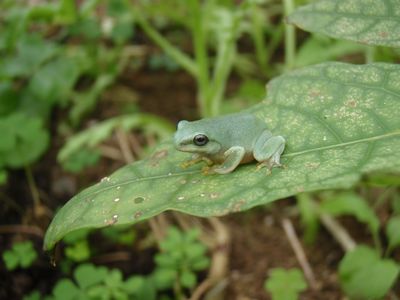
<point x="210" y="149"/>
<point x="189" y="148"/>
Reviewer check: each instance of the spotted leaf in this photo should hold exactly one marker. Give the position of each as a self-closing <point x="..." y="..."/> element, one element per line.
<point x="339" y="121"/>
<point x="372" y="22"/>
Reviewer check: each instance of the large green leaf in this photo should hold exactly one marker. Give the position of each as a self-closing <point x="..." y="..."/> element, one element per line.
<point x="372" y="22"/>
<point x="339" y="121"/>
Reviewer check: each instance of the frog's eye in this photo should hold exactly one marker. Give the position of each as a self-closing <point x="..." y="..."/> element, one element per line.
<point x="200" y="140"/>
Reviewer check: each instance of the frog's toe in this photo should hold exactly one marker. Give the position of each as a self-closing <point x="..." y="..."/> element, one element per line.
<point x="184" y="165"/>
<point x="259" y="166"/>
<point x="268" y="164"/>
<point x="207" y="170"/>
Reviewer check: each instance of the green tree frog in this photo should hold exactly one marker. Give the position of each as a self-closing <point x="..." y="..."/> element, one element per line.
<point x="227" y="141"/>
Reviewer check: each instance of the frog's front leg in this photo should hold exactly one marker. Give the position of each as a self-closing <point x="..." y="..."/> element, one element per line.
<point x="268" y="150"/>
<point x="196" y="158"/>
<point x="232" y="158"/>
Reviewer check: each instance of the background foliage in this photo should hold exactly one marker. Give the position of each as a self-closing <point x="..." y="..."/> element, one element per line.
<point x="61" y="63"/>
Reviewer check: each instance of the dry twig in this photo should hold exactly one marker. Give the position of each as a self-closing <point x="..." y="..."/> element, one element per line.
<point x="123" y="142"/>
<point x="23" y="229"/>
<point x="338" y="232"/>
<point x="219" y="262"/>
<point x="300" y="254"/>
<point x="111" y="152"/>
<point x="112" y="257"/>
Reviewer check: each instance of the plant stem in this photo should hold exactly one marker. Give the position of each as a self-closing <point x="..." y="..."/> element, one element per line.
<point x="178" y="290"/>
<point x="334" y="227"/>
<point x="124" y="146"/>
<point x="182" y="59"/>
<point x="299" y="252"/>
<point x="222" y="70"/>
<point x="201" y="55"/>
<point x="290" y="37"/>
<point x="377" y="242"/>
<point x="338" y="231"/>
<point x="210" y="91"/>
<point x="33" y="188"/>
<point x="219" y="263"/>
<point x="262" y="53"/>
<point x="225" y="56"/>
<point x="22" y="229"/>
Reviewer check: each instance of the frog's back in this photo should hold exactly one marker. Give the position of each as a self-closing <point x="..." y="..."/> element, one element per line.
<point x="240" y="129"/>
<point x="240" y="123"/>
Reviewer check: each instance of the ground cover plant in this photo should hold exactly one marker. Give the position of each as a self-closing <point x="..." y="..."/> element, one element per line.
<point x="340" y="119"/>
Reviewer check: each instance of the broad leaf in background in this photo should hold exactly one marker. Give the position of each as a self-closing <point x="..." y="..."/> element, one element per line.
<point x="318" y="49"/>
<point x="23" y="140"/>
<point x="339" y="121"/>
<point x="22" y="254"/>
<point x="54" y="81"/>
<point x="372" y="22"/>
<point x="31" y="52"/>
<point x="8" y="98"/>
<point x="285" y="284"/>
<point x="80" y="150"/>
<point x="364" y="275"/>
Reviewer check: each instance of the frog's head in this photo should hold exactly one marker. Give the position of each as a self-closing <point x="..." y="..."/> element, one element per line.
<point x="193" y="137"/>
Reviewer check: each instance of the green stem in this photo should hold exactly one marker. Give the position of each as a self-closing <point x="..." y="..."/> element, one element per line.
<point x="290" y="37"/>
<point x="377" y="242"/>
<point x="178" y="289"/>
<point x="224" y="62"/>
<point x="335" y="228"/>
<point x="276" y="38"/>
<point x="32" y="187"/>
<point x="262" y="53"/>
<point x="222" y="70"/>
<point x="201" y="55"/>
<point x="181" y="58"/>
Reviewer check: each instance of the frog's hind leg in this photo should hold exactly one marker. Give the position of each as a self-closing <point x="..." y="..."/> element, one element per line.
<point x="268" y="150"/>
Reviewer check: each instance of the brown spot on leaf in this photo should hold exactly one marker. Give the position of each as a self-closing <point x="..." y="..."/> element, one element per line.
<point x="314" y="93"/>
<point x="138" y="200"/>
<point x="312" y="165"/>
<point x="237" y="207"/>
<point x="137" y="214"/>
<point x="157" y="156"/>
<point x="214" y="195"/>
<point x="383" y="34"/>
<point x="111" y="221"/>
<point x="352" y="103"/>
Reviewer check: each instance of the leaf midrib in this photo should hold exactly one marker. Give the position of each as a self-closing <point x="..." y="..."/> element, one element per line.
<point x="369" y="139"/>
<point x="185" y="173"/>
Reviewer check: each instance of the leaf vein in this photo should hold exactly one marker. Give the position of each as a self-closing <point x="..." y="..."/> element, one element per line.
<point x="365" y="140"/>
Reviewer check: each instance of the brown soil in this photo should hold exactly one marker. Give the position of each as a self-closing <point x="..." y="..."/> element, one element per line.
<point x="260" y="244"/>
